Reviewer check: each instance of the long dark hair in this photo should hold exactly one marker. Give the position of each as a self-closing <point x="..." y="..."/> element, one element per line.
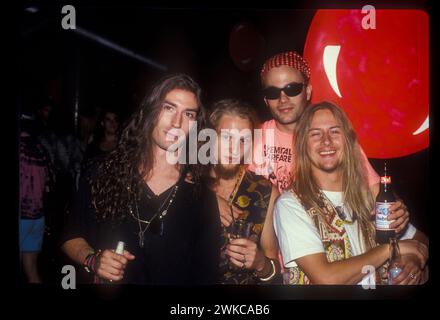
<point x="120" y="174"/>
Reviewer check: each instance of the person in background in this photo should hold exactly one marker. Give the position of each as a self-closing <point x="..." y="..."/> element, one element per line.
<point x="87" y="121"/>
<point x="106" y="136"/>
<point x="36" y="179"/>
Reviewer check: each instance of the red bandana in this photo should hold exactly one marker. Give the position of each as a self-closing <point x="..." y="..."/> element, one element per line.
<point x="291" y="59"/>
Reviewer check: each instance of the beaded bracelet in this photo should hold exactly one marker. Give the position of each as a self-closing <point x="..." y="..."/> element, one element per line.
<point x="90" y="261"/>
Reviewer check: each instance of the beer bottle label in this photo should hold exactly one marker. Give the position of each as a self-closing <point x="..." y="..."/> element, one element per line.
<point x="382" y="212"/>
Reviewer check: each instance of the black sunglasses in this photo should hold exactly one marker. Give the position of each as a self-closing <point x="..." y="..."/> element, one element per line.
<point x="291" y="90"/>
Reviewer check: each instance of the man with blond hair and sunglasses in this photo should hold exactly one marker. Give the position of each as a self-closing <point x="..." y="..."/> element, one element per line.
<point x="287" y="91"/>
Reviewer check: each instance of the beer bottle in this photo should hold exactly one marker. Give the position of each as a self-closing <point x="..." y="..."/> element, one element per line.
<point x="120" y="247"/>
<point x="384" y="200"/>
<point x="119" y="250"/>
<point x="394" y="268"/>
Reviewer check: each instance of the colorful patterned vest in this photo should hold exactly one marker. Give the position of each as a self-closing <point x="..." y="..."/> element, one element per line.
<point x="252" y="195"/>
<point x="335" y="239"/>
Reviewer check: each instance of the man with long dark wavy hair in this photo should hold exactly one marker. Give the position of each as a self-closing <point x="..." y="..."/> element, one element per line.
<point x="324" y="223"/>
<point x="170" y="227"/>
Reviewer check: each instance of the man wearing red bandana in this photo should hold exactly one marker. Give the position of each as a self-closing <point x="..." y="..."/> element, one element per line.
<point x="287" y="92"/>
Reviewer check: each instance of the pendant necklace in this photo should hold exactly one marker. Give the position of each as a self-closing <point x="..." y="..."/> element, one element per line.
<point x="158" y="215"/>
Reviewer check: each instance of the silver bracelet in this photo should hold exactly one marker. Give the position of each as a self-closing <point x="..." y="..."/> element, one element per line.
<point x="272" y="274"/>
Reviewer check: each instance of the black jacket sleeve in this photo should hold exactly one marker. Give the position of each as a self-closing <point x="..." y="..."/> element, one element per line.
<point x="80" y="221"/>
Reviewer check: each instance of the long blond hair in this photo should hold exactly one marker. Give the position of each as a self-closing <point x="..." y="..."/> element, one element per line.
<point x="356" y="193"/>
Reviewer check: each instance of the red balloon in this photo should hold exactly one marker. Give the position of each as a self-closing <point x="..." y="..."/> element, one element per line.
<point x="380" y="76"/>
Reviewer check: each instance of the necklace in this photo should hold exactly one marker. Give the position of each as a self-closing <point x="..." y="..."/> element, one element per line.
<point x="232" y="195"/>
<point x="342" y="215"/>
<point x="237" y="183"/>
<point x="340" y="210"/>
<point x="159" y="215"/>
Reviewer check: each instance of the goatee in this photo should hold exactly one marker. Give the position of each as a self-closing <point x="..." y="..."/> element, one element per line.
<point x="226" y="173"/>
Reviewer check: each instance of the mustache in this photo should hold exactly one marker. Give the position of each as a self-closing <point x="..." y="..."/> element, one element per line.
<point x="226" y="173"/>
<point x="285" y="105"/>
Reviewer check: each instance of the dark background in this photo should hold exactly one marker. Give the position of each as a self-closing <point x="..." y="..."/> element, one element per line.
<point x="76" y="70"/>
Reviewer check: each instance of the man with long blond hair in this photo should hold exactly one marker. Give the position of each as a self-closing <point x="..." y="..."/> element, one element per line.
<point x="324" y="222"/>
<point x="255" y="255"/>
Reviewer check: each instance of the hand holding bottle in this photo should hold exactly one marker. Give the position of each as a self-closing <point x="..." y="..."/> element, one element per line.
<point x="111" y="265"/>
<point x="399" y="215"/>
